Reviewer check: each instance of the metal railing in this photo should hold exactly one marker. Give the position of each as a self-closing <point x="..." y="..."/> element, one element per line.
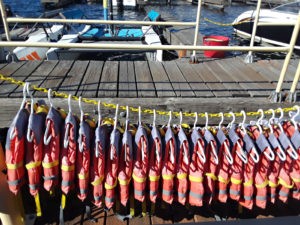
<point x="276" y="95"/>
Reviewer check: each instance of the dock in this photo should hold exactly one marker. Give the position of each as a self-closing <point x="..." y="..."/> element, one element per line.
<point x="212" y="86"/>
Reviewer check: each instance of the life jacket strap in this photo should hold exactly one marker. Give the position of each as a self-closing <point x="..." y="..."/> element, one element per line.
<point x="110" y="187"/>
<point x="83" y="176"/>
<point x="284" y="184"/>
<point x="297" y="180"/>
<point x="14" y="166"/>
<point x="182" y="176"/>
<point x="212" y="176"/>
<point x="50" y="165"/>
<point x="235" y="181"/>
<point x="168" y="177"/>
<point x="98" y="181"/>
<point x="221" y="179"/>
<point x="124" y="182"/>
<point x="138" y="179"/>
<point x="154" y="178"/>
<point x="273" y="185"/>
<point x="38" y="205"/>
<point x="33" y="165"/>
<point x="195" y="179"/>
<point x="67" y="168"/>
<point x="248" y="183"/>
<point x="264" y="184"/>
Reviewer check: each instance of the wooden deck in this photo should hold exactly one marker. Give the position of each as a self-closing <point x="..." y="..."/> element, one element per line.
<point x="229" y="77"/>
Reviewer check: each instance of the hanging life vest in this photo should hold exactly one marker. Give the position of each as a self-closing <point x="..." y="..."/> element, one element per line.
<point x="168" y="167"/>
<point x="224" y="166"/>
<point x="196" y="169"/>
<point x="236" y="169"/>
<point x="111" y="170"/>
<point x="249" y="171"/>
<point x="50" y="163"/>
<point x="14" y="154"/>
<point x="182" y="167"/>
<point x="291" y="144"/>
<point x="155" y="163"/>
<point x="35" y="146"/>
<point x="98" y="164"/>
<point x="68" y="154"/>
<point x="141" y="161"/>
<point x="83" y="155"/>
<point x="211" y="166"/>
<point x="125" y="167"/>
<point x="262" y="168"/>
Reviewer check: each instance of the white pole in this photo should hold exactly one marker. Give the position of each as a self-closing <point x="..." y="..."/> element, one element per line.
<point x="249" y="57"/>
<point x="3" y="13"/>
<point x="193" y="57"/>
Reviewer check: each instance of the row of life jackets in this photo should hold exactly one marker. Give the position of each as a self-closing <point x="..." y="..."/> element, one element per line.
<point x="251" y="165"/>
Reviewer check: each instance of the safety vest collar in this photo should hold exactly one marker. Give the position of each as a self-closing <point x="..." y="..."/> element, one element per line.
<point x="262" y="143"/>
<point x="141" y="131"/>
<point x="127" y="140"/>
<point x="249" y="143"/>
<point x="285" y="141"/>
<point x="208" y="137"/>
<point x="296" y="139"/>
<point x="182" y="140"/>
<point x="155" y="134"/>
<point x="57" y="119"/>
<point x="84" y="130"/>
<point x="71" y="119"/>
<point x="115" y="137"/>
<point x="100" y="137"/>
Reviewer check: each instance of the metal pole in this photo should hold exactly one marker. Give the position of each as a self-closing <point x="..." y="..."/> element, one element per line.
<point x="276" y="95"/>
<point x="249" y="57"/>
<point x="3" y="13"/>
<point x="193" y="57"/>
<point x="105" y="9"/>
<point x="292" y="97"/>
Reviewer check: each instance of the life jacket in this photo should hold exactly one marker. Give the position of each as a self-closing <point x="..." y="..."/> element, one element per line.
<point x="196" y="169"/>
<point x="262" y="168"/>
<point x="294" y="135"/>
<point x="155" y="163"/>
<point x="111" y="168"/>
<point x="125" y="167"/>
<point x="276" y="165"/>
<point x="168" y="168"/>
<point x="246" y="199"/>
<point x="86" y="132"/>
<point x="141" y="161"/>
<point x="34" y="150"/>
<point x="224" y="166"/>
<point x="236" y="169"/>
<point x="68" y="154"/>
<point x="211" y="166"/>
<point x="52" y="143"/>
<point x="98" y="164"/>
<point x="182" y="166"/>
<point x="14" y="154"/>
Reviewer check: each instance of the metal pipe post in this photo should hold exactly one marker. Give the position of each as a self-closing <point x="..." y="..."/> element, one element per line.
<point x="3" y="13"/>
<point x="249" y="57"/>
<point x="193" y="57"/>
<point x="292" y="97"/>
<point x="105" y="10"/>
<point x="276" y="96"/>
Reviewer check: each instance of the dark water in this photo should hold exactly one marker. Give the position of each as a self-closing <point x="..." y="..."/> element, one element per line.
<point x="183" y="11"/>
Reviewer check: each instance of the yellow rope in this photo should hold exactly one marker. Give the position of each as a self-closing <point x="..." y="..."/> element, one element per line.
<point x="133" y="109"/>
<point x="226" y="24"/>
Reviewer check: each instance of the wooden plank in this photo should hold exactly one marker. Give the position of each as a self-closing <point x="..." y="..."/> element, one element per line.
<point x="111" y="219"/>
<point x="225" y="77"/>
<point x="54" y="79"/>
<point x="127" y="84"/>
<point x="109" y="80"/>
<point x="72" y="81"/>
<point x="144" y="81"/>
<point x="290" y="73"/>
<point x="179" y="83"/>
<point x="212" y="82"/>
<point x="90" y="83"/>
<point x="161" y="81"/>
<point x="254" y="89"/>
<point x="37" y="77"/>
<point x="194" y="80"/>
<point x="21" y="74"/>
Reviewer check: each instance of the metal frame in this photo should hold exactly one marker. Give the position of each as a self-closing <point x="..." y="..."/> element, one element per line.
<point x="276" y="95"/>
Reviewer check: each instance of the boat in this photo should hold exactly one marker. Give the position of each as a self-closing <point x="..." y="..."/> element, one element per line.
<point x="56" y="3"/>
<point x="125" y="3"/>
<point x="275" y="35"/>
<point x="110" y="35"/>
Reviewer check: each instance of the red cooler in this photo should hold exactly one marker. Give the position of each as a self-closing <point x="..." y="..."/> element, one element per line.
<point x="215" y="41"/>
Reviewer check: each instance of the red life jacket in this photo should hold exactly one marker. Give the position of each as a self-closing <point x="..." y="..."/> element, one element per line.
<point x="111" y="168"/>
<point x="211" y="166"/>
<point x="182" y="167"/>
<point x="262" y="168"/>
<point x="68" y="154"/>
<point x="294" y="135"/>
<point x="168" y="167"/>
<point x="14" y="154"/>
<point x="98" y="164"/>
<point x="125" y="167"/>
<point x="141" y="161"/>
<point x="249" y="171"/>
<point x="50" y="163"/>
<point x="224" y="165"/>
<point x="236" y="169"/>
<point x="85" y="137"/>
<point x="155" y="163"/>
<point x="34" y="151"/>
<point x="196" y="169"/>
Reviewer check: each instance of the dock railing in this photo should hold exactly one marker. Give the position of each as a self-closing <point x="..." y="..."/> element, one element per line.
<point x="276" y="95"/>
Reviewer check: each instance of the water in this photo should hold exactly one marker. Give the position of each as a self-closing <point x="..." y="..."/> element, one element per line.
<point x="184" y="12"/>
